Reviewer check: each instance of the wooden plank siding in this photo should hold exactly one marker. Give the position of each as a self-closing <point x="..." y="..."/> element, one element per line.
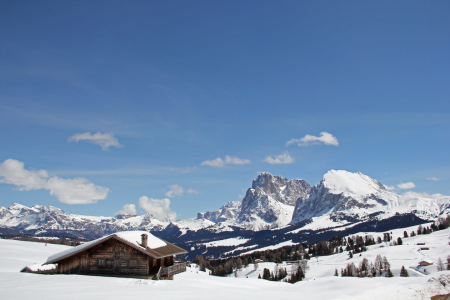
<point x="112" y="257"/>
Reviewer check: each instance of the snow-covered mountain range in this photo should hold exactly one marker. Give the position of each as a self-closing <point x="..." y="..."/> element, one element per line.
<point x="274" y="201"/>
<point x="338" y="202"/>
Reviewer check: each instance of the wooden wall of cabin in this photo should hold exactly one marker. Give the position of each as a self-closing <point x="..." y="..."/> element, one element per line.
<point x="109" y="258"/>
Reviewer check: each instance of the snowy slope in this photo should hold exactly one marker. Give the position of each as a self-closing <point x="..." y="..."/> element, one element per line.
<point x="193" y="284"/>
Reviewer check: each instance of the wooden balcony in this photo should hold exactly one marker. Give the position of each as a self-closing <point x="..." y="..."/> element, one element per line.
<point x="166" y="272"/>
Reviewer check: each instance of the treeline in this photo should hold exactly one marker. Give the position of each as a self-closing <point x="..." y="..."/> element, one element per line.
<point x="49" y="240"/>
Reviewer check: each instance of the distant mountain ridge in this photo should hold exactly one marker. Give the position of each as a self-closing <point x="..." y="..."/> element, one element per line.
<point x="340" y="200"/>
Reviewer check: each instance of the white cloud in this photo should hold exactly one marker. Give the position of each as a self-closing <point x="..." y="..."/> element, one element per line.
<point x="284" y="158"/>
<point x="159" y="208"/>
<point x="216" y="163"/>
<point x="229" y="160"/>
<point x="192" y="191"/>
<point x="389" y="188"/>
<point x="105" y="140"/>
<point x="434" y="178"/>
<point x="13" y="172"/>
<point x="234" y="160"/>
<point x="75" y="191"/>
<point x="70" y="191"/>
<point x="406" y="185"/>
<point x="127" y="209"/>
<point x="175" y="191"/>
<point x="307" y="140"/>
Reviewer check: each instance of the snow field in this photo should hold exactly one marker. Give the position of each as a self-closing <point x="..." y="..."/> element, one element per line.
<point x="193" y="284"/>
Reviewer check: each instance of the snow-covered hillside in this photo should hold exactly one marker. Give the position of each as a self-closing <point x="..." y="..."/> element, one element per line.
<point x="194" y="284"/>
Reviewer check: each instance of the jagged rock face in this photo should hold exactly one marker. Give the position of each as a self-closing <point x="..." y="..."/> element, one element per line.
<point x="270" y="201"/>
<point x="268" y="204"/>
<point x="281" y="189"/>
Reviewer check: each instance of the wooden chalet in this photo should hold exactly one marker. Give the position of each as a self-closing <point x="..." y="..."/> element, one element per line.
<point x="136" y="254"/>
<point x="425" y="263"/>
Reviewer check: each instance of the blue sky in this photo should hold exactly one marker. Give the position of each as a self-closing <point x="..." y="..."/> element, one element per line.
<point x="120" y="101"/>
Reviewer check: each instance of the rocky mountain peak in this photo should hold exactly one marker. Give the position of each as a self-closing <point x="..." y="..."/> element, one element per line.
<point x="280" y="188"/>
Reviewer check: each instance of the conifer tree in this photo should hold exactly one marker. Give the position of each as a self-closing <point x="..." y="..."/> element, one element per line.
<point x="404" y="272"/>
<point x="266" y="274"/>
<point x="389" y="273"/>
<point x="336" y="273"/>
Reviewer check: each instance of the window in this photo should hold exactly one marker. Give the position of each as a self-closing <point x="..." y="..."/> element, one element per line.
<point x="101" y="262"/>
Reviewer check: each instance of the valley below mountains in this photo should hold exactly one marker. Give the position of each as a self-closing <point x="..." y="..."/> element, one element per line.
<point x="275" y="211"/>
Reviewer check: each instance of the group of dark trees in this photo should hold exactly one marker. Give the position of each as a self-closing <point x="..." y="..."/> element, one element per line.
<point x="226" y="266"/>
<point x="440" y="264"/>
<point x="49" y="240"/>
<point x="366" y="268"/>
<point x="442" y="223"/>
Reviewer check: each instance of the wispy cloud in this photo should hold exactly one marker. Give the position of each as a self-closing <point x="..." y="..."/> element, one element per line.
<point x="175" y="191"/>
<point x="159" y="208"/>
<point x="127" y="209"/>
<point x="307" y="140"/>
<point x="284" y="158"/>
<point x="70" y="191"/>
<point x="192" y="191"/>
<point x="434" y="178"/>
<point x="216" y="163"/>
<point x="406" y="185"/>
<point x="104" y="140"/>
<point x="229" y="160"/>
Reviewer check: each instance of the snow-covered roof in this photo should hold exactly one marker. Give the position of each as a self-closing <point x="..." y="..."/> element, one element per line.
<point x="427" y="261"/>
<point x="39" y="267"/>
<point x="155" y="246"/>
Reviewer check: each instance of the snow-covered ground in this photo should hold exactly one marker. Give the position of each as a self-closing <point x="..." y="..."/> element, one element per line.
<point x="193" y="284"/>
<point x="227" y="242"/>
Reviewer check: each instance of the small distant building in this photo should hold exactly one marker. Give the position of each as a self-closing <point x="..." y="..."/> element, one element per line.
<point x="421" y="243"/>
<point x="257" y="261"/>
<point x="424" y="248"/>
<point x="426" y="263"/>
<point x="121" y="254"/>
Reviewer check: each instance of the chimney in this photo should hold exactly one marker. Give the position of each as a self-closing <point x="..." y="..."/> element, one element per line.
<point x="144" y="240"/>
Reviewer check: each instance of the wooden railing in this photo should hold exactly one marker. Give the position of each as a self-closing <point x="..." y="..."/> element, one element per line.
<point x="172" y="270"/>
<point x="158" y="275"/>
